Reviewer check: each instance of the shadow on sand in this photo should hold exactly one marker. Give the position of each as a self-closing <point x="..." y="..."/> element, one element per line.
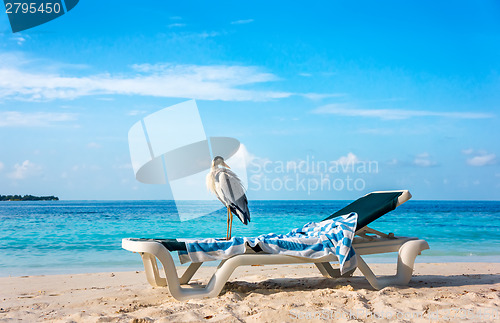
<point x="278" y="285"/>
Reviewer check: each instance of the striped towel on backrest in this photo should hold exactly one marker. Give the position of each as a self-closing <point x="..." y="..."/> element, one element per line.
<point x="313" y="240"/>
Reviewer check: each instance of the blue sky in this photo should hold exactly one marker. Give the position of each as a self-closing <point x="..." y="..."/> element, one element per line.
<point x="412" y="86"/>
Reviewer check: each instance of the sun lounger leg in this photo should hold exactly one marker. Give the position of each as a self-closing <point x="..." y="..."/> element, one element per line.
<point x="406" y="259"/>
<point x="212" y="289"/>
<point x="190" y="271"/>
<point x="327" y="271"/>
<point x="151" y="269"/>
<point x="324" y="271"/>
<point x="220" y="277"/>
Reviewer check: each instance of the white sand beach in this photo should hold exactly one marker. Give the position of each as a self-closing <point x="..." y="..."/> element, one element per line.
<point x="437" y="292"/>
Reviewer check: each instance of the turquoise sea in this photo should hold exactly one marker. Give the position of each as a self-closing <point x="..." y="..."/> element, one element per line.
<point x="55" y="237"/>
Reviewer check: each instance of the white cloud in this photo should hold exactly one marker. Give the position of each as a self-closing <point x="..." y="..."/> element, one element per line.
<point x="348" y="160"/>
<point x="244" y="157"/>
<point x="176" y="25"/>
<point x="420" y="160"/>
<point x="393" y="162"/>
<point x="482" y="160"/>
<point x="123" y="166"/>
<point x="24" y="170"/>
<point x="33" y="119"/>
<point x="479" y="157"/>
<point x="377" y="131"/>
<point x="242" y="22"/>
<point x="347" y="110"/>
<point x="19" y="40"/>
<point x="1" y="166"/>
<point x="204" y="34"/>
<point x="423" y="155"/>
<point x="93" y="145"/>
<point x="136" y="112"/>
<point x="423" y="160"/>
<point x="321" y="96"/>
<point x="209" y="82"/>
<point x="85" y="167"/>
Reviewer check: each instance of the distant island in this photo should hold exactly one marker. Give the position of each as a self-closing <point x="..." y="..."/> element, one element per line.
<point x="27" y="198"/>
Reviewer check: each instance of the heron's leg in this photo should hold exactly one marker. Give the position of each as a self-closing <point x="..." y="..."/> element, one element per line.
<point x="227" y="228"/>
<point x="230" y="224"/>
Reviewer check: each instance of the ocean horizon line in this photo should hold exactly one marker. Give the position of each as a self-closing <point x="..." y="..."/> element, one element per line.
<point x="256" y="200"/>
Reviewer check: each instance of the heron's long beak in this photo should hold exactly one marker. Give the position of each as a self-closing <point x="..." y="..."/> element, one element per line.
<point x="225" y="165"/>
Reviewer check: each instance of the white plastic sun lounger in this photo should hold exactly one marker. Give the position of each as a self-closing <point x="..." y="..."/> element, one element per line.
<point x="368" y="241"/>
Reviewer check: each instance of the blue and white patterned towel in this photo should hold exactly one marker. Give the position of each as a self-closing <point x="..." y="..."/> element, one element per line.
<point x="313" y="240"/>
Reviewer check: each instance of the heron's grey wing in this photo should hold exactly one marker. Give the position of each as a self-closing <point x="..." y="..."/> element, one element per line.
<point x="233" y="194"/>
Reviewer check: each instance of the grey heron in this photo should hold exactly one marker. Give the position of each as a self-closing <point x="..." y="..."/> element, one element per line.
<point x="228" y="188"/>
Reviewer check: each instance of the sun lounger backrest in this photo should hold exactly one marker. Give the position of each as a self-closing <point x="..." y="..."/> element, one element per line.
<point x="370" y="207"/>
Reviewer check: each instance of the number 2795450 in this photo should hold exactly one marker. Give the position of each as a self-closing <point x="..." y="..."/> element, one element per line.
<point x="25" y="7"/>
